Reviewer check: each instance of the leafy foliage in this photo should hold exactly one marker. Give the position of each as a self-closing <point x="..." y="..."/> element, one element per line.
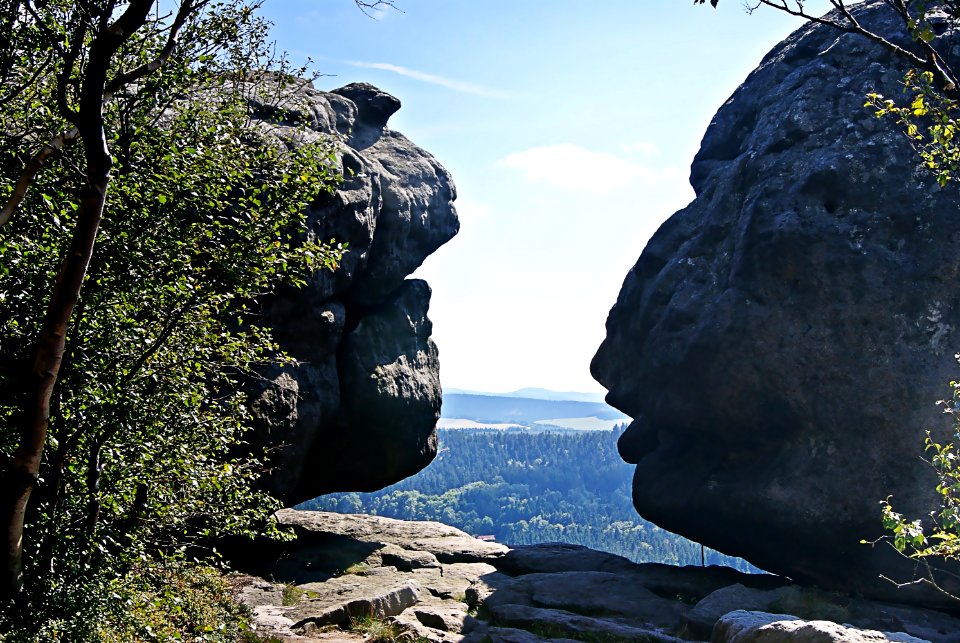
<point x="939" y="538"/>
<point x="171" y="600"/>
<point x="929" y="122"/>
<point x="145" y="455"/>
<point x="525" y="488"/>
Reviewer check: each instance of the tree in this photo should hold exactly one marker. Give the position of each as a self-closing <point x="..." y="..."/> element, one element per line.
<point x="128" y="127"/>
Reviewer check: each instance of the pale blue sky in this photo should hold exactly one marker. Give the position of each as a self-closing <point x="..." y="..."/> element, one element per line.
<point x="569" y="128"/>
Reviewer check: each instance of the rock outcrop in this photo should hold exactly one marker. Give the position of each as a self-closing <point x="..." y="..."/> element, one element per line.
<point x="435" y="583"/>
<point x="359" y="411"/>
<point x="759" y="627"/>
<point x="782" y="341"/>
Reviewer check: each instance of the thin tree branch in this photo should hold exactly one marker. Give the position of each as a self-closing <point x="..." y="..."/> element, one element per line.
<point x="852" y="26"/>
<point x="188" y="8"/>
<point x="931" y="61"/>
<point x="16" y="90"/>
<point x="30" y="172"/>
<point x="368" y="7"/>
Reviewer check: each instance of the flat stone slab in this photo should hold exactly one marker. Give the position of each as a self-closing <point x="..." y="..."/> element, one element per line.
<point x="336" y="601"/>
<point x="595" y="594"/>
<point x="404" y="559"/>
<point x="417" y="630"/>
<point x="562" y="557"/>
<point x="452" y="581"/>
<point x="446" y="617"/>
<point x="447" y="544"/>
<point x="404" y="533"/>
<point x="415" y="575"/>
<point x="744" y="626"/>
<point x="552" y="623"/>
<point x="705" y="614"/>
<point x="487" y="634"/>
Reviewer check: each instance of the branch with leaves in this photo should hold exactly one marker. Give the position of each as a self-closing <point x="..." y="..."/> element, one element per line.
<point x="122" y="369"/>
<point x="916" y="19"/>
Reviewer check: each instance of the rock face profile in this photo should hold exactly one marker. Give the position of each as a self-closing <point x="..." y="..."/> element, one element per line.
<point x="359" y="411"/>
<point x="782" y="341"/>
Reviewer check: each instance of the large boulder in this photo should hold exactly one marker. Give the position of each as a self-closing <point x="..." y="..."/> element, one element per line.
<point x="758" y="627"/>
<point x="782" y="340"/>
<point x="359" y="411"/>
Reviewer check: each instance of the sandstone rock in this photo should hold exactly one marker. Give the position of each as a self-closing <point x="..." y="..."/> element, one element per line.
<point x="560" y="623"/>
<point x="406" y="560"/>
<point x="690" y="583"/>
<point x="328" y="544"/>
<point x="807" y="603"/>
<point x="925" y="624"/>
<point x="485" y="586"/>
<point x="562" y="557"/>
<point x="340" y="566"/>
<point x="415" y="629"/>
<point x="337" y="600"/>
<point x="509" y="635"/>
<point x="447" y="544"/>
<point x="390" y="395"/>
<point x="782" y="340"/>
<point x="444" y="617"/>
<point x="759" y="627"/>
<point x="272" y="621"/>
<point x="374" y="107"/>
<point x="359" y="411"/>
<point x="590" y="594"/>
<point x="701" y="619"/>
<point x="452" y="581"/>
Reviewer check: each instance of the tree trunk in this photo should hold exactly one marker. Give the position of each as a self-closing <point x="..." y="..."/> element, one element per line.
<point x="43" y="377"/>
<point x="89" y="120"/>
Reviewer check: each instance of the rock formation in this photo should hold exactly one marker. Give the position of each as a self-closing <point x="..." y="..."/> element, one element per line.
<point x="436" y="583"/>
<point x="360" y="410"/>
<point x="781" y="342"/>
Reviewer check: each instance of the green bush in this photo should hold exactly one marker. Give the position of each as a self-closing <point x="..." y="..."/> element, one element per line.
<point x="144" y="456"/>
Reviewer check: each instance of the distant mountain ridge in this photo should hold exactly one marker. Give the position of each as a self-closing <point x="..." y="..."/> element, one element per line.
<point x="534" y="393"/>
<point x="521" y="410"/>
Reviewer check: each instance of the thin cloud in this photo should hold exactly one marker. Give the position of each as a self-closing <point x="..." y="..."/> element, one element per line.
<point x="468" y="209"/>
<point x="573" y="167"/>
<point x="642" y="148"/>
<point x="433" y="79"/>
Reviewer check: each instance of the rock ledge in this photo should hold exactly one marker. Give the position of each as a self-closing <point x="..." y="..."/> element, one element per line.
<point x="439" y="584"/>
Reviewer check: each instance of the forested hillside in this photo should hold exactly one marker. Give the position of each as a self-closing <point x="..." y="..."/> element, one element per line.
<point x="529" y="487"/>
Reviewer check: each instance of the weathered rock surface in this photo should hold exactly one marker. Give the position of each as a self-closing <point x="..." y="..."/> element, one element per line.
<point x="758" y="627"/>
<point x="340" y="568"/>
<point x="782" y="341"/>
<point x="360" y="410"/>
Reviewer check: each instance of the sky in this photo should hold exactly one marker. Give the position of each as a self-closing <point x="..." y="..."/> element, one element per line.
<point x="569" y="128"/>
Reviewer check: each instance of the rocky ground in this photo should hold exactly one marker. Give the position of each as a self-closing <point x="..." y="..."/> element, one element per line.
<point x="432" y="582"/>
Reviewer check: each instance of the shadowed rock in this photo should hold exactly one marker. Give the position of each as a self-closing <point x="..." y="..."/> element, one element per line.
<point x="758" y="627"/>
<point x="782" y="341"/>
<point x="359" y="411"/>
